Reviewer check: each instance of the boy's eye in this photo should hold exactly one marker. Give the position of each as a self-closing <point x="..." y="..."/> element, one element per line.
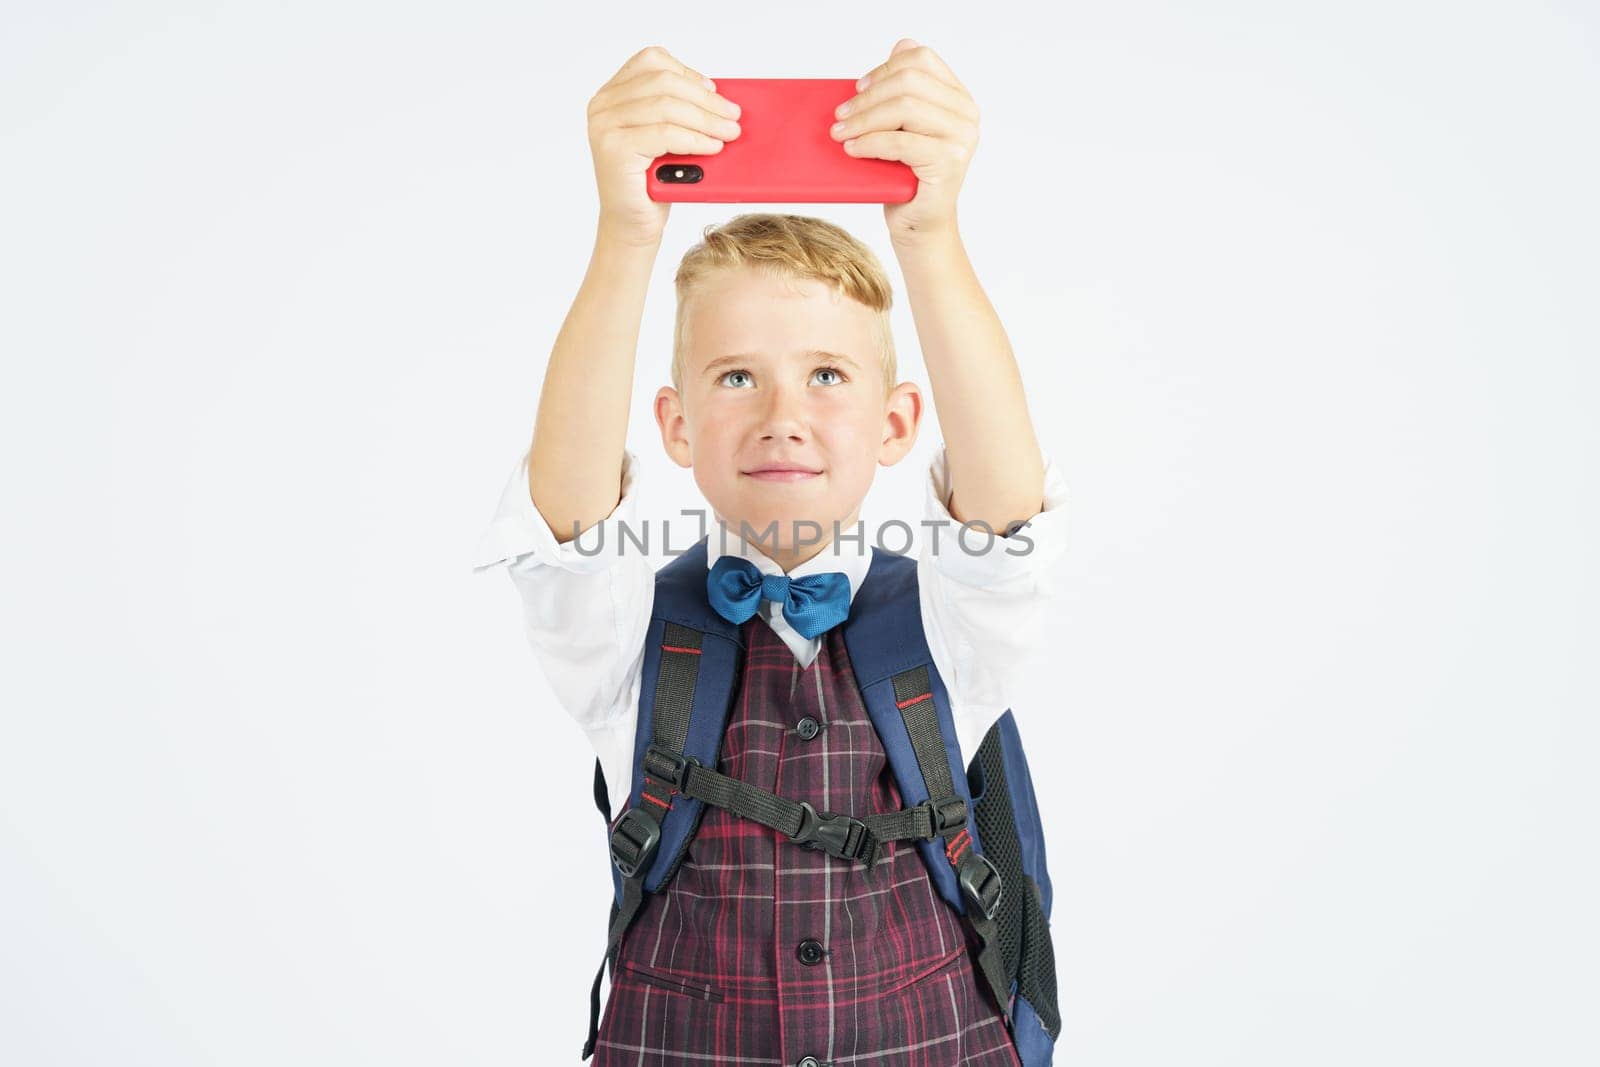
<point x="837" y="374"/>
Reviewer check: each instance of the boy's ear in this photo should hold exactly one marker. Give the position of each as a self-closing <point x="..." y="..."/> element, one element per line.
<point x="902" y="414"/>
<point x="674" y="427"/>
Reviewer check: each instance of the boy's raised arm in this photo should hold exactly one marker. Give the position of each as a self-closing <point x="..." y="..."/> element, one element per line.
<point x="653" y="106"/>
<point x="996" y="468"/>
<point x="913" y="109"/>
<point x="575" y="463"/>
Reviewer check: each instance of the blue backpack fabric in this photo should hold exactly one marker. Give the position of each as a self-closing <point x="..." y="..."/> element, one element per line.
<point x="977" y="826"/>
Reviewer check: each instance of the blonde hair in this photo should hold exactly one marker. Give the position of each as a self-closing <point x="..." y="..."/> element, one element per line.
<point x="798" y="246"/>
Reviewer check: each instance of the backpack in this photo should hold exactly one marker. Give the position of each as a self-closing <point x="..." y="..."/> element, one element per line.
<point x="977" y="827"/>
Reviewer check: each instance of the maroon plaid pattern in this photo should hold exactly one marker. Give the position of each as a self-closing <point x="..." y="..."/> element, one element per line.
<point x="710" y="972"/>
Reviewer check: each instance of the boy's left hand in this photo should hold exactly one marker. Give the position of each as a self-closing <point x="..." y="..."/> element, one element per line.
<point x="914" y="110"/>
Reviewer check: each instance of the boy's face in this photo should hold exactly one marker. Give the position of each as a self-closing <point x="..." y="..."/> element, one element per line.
<point x="756" y="395"/>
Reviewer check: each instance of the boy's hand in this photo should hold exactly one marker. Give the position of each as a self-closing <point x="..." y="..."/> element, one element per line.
<point x="915" y="111"/>
<point x="653" y="106"/>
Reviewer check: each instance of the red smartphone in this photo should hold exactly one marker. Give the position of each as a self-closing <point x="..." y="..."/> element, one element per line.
<point x="783" y="154"/>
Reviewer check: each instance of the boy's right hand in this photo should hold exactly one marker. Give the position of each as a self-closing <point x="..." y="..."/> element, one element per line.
<point x="653" y="106"/>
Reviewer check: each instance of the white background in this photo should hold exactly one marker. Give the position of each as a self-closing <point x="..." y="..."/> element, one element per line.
<point x="1303" y="296"/>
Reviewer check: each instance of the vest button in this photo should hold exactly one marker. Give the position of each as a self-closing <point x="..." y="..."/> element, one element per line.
<point x="808" y="1061"/>
<point x="808" y="728"/>
<point x="810" y="953"/>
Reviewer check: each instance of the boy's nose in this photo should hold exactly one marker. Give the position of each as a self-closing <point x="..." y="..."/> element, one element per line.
<point x="783" y="415"/>
<point x="778" y="428"/>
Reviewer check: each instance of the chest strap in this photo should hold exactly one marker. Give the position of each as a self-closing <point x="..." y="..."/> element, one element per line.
<point x="845" y="836"/>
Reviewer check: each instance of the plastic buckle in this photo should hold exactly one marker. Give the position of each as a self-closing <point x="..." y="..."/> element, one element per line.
<point x="677" y="764"/>
<point x="945" y="815"/>
<point x="638" y="835"/>
<point x="979" y="879"/>
<point x="833" y="833"/>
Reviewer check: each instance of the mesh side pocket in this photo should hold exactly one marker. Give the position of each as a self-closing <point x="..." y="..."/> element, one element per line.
<point x="1023" y="929"/>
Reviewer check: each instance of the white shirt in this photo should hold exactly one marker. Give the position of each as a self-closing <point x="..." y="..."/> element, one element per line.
<point x="585" y="615"/>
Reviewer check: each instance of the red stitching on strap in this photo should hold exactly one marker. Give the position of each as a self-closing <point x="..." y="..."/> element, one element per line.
<point x="657" y="800"/>
<point x="958" y="843"/>
<point x="675" y="648"/>
<point x="913" y="700"/>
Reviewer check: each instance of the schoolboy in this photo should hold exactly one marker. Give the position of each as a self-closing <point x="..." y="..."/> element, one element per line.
<point x="783" y="402"/>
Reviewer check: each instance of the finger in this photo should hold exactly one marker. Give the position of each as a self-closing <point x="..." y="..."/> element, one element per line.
<point x="914" y="114"/>
<point x="919" y="58"/>
<point x="915" y="84"/>
<point x="666" y="138"/>
<point x="654" y="57"/>
<point x="912" y="149"/>
<point x="661" y="81"/>
<point x="659" y="139"/>
<point x="650" y="110"/>
<point x="648" y="60"/>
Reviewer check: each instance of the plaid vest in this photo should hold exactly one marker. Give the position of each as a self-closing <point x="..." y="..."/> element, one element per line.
<point x="762" y="952"/>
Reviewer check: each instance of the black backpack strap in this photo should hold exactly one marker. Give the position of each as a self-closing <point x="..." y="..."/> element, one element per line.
<point x="837" y="834"/>
<point x="979" y="879"/>
<point x="638" y="831"/>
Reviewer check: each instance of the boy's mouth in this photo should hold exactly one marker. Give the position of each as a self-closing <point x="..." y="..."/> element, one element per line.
<point x="782" y="472"/>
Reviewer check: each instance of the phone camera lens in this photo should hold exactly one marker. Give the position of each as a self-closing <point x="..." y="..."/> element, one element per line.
<point x="678" y="173"/>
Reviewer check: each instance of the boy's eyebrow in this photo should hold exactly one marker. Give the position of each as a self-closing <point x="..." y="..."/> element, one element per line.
<point x="814" y="353"/>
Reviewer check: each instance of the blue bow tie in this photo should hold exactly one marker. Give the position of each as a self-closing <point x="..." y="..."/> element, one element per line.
<point x="811" y="604"/>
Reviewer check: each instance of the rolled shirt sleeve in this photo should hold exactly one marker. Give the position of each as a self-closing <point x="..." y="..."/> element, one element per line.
<point x="585" y="608"/>
<point x="984" y="598"/>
